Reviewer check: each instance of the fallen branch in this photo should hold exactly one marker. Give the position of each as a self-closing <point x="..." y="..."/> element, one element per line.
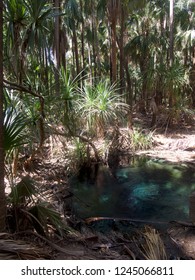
<point x="94" y="219"/>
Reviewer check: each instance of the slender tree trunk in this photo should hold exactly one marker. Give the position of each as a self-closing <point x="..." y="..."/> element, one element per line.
<point x="83" y="49"/>
<point x="46" y="70"/>
<point x="192" y="76"/>
<point x="2" y="187"/>
<point x="63" y="47"/>
<point x="113" y="53"/>
<point x="129" y="85"/>
<point x="57" y="47"/>
<point x="90" y="64"/>
<point x="143" y="69"/>
<point x="94" y="51"/>
<point x="159" y="84"/>
<point x="76" y="50"/>
<point x="122" y="81"/>
<point x="113" y="6"/>
<point x="57" y="35"/>
<point x="171" y="48"/>
<point x="94" y="38"/>
<point x="129" y="96"/>
<point x="82" y="41"/>
<point x="60" y="40"/>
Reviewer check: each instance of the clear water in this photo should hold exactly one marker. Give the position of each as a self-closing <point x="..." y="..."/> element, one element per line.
<point x="146" y="190"/>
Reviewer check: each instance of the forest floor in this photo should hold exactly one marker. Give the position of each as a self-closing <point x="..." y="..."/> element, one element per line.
<point x="176" y="144"/>
<point x="83" y="242"/>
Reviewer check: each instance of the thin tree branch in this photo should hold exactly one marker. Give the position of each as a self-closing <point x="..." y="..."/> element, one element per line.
<point x="81" y="137"/>
<point x="15" y="86"/>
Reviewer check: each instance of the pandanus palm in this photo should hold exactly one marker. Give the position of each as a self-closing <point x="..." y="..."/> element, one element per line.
<point x="36" y="33"/>
<point x="15" y="18"/>
<point x="100" y="106"/>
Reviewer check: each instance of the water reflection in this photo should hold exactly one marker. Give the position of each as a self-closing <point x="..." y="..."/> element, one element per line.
<point x="145" y="189"/>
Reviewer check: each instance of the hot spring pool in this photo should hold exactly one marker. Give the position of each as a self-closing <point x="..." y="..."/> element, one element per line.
<point x="146" y="189"/>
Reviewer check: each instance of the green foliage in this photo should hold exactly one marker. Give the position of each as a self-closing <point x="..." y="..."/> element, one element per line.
<point x="176" y="77"/>
<point x="76" y="156"/>
<point x="25" y="205"/>
<point x="14" y="130"/>
<point x="69" y="88"/>
<point x="39" y="13"/>
<point x="43" y="214"/>
<point x="79" y="152"/>
<point x="141" y="140"/>
<point x="100" y="106"/>
<point x="21" y="191"/>
<point x="72" y="9"/>
<point x="15" y="13"/>
<point x="21" y="122"/>
<point x="30" y="52"/>
<point x="15" y="16"/>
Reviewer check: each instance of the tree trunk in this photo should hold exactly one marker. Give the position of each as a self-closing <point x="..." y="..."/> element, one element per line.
<point x="2" y="188"/>
<point x="192" y="77"/>
<point x="122" y="81"/>
<point x="112" y="16"/>
<point x="63" y="47"/>
<point x="94" y="39"/>
<point x="82" y="42"/>
<point x="129" y="85"/>
<point x="57" y="47"/>
<point x="113" y="53"/>
<point x="129" y="96"/>
<point x="171" y="49"/>
<point x="76" y="51"/>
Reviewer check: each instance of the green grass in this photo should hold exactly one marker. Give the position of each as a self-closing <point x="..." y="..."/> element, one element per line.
<point x="141" y="140"/>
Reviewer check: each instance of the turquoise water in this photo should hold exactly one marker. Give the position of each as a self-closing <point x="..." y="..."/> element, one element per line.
<point x="146" y="190"/>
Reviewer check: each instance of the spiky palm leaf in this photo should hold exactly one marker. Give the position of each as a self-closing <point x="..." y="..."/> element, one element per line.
<point x="39" y="14"/>
<point x="15" y="17"/>
<point x="24" y="189"/>
<point x="100" y="105"/>
<point x="24" y="202"/>
<point x="14" y="129"/>
<point x="176" y="77"/>
<point x="43" y="214"/>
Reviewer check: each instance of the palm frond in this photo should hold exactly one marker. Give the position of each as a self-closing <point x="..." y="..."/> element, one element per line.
<point x="45" y="214"/>
<point x="14" y="129"/>
<point x="24" y="189"/>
